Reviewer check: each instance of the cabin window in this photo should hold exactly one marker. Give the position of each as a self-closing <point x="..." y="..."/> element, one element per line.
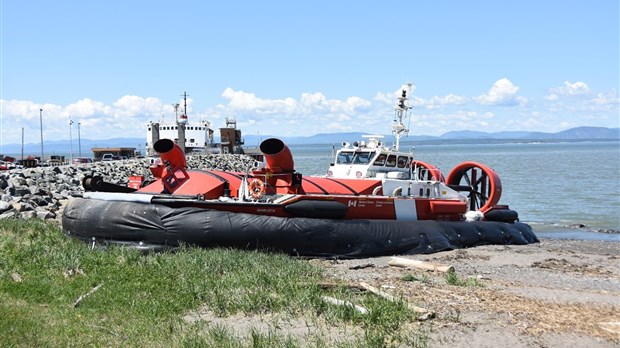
<point x="344" y="157"/>
<point x="402" y="161"/>
<point x="361" y="158"/>
<point x="191" y="140"/>
<point x="391" y="161"/>
<point x="408" y="165"/>
<point x="380" y="161"/>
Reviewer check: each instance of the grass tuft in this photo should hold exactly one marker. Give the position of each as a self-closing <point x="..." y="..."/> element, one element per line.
<point x="453" y="279"/>
<point x="416" y="278"/>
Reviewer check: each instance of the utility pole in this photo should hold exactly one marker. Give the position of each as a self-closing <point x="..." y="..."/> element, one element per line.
<point x="79" y="140"/>
<point x="22" y="146"/>
<point x="41" y="122"/>
<point x="71" y="137"/>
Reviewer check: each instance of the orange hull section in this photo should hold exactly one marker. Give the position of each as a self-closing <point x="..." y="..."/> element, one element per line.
<point x="354" y="195"/>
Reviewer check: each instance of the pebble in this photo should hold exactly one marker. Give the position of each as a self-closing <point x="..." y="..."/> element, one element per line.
<point x="42" y="192"/>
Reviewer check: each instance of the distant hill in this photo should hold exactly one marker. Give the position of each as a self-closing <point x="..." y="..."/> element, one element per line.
<point x="573" y="134"/>
<point x="580" y="133"/>
<point x="62" y="147"/>
<point x="484" y="135"/>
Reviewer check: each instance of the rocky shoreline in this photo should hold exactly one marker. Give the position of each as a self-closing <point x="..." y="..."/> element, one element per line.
<point x="42" y="192"/>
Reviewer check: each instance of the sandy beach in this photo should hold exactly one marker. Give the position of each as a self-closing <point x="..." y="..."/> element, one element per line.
<point x="556" y="293"/>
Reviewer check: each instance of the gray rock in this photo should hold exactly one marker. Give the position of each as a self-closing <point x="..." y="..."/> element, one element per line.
<point x="21" y="191"/>
<point x="17" y="181"/>
<point x="38" y="200"/>
<point x="44" y="214"/>
<point x="7" y="215"/>
<point x="28" y="214"/>
<point x="4" y="206"/>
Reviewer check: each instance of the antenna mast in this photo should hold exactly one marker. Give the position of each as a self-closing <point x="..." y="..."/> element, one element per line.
<point x="185" y="103"/>
<point x="401" y="109"/>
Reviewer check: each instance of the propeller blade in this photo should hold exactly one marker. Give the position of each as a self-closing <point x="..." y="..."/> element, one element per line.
<point x="467" y="179"/>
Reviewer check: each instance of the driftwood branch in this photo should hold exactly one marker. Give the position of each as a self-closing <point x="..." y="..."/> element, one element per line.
<point x="338" y="302"/>
<point x="408" y="263"/>
<point x="427" y="313"/>
<point x="363" y="265"/>
<point x="331" y="285"/>
<point x="81" y="298"/>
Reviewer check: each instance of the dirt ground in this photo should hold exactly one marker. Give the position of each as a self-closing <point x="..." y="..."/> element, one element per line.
<point x="556" y="293"/>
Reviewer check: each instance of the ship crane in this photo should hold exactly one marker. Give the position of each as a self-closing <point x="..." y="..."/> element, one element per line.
<point x="401" y="112"/>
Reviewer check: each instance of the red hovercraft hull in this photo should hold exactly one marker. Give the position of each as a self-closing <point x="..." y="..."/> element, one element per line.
<point x="276" y="208"/>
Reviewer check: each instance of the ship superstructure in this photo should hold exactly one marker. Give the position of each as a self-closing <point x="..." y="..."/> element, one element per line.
<point x="191" y="136"/>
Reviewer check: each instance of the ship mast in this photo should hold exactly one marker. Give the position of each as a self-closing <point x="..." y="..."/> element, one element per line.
<point x="398" y="127"/>
<point x="185" y="103"/>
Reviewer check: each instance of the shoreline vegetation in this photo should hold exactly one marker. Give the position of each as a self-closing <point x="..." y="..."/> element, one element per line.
<point x="57" y="291"/>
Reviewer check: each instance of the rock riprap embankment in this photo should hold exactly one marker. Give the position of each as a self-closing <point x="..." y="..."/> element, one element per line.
<point x="43" y="191"/>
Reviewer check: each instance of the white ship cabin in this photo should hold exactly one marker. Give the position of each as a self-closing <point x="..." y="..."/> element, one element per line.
<point x="370" y="159"/>
<point x="198" y="135"/>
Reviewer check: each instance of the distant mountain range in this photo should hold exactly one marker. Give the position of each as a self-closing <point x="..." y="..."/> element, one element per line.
<point x="573" y="134"/>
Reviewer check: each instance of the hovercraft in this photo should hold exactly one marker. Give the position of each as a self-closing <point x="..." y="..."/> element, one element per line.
<point x="275" y="208"/>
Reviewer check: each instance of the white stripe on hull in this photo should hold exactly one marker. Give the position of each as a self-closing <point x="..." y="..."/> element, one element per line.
<point x="405" y="209"/>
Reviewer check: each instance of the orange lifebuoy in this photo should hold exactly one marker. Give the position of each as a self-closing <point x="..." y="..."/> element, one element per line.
<point x="257" y="188"/>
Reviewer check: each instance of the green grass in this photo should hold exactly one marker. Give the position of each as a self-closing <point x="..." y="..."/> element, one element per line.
<point x="416" y="278"/>
<point x="453" y="279"/>
<point x="143" y="298"/>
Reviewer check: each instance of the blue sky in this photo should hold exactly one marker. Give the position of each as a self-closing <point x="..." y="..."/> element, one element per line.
<point x="302" y="68"/>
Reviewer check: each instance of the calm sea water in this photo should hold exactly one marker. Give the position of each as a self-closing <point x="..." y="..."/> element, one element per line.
<point x="553" y="186"/>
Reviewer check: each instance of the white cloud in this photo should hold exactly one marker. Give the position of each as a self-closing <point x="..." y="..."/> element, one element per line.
<point x="450" y="99"/>
<point x="503" y="92"/>
<point x="240" y="100"/>
<point x="87" y="107"/>
<point x="606" y="99"/>
<point x="126" y="117"/>
<point x="572" y="89"/>
<point x="314" y="112"/>
<point x="133" y="106"/>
